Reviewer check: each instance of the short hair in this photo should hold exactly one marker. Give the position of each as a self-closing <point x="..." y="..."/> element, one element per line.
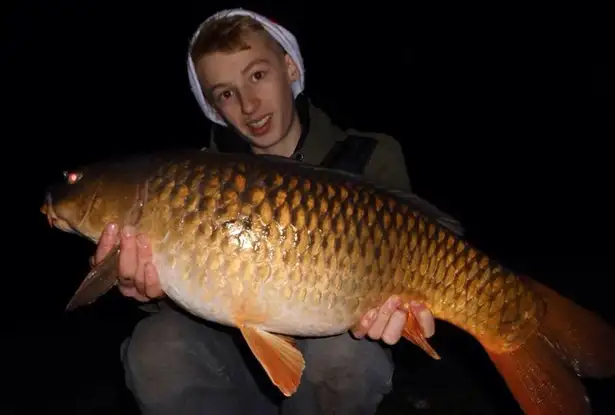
<point x="227" y="34"/>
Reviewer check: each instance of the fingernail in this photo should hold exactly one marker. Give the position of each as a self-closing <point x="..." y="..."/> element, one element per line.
<point x="370" y="317"/>
<point x="392" y="304"/>
<point x="111" y="229"/>
<point x="128" y="232"/>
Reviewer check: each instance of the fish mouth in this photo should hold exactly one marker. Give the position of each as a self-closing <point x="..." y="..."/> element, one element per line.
<point x="52" y="218"/>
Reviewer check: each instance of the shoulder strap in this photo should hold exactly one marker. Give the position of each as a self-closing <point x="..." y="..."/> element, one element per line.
<point x="351" y="154"/>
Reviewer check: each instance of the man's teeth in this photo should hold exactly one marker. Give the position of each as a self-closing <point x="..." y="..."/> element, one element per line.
<point x="260" y="122"/>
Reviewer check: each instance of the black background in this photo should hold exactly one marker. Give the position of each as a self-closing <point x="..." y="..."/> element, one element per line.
<point x="505" y="115"/>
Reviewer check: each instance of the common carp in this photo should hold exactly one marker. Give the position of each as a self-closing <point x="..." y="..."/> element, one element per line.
<point x="280" y="249"/>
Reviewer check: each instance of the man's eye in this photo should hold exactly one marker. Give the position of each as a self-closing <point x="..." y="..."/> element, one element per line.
<point x="258" y="75"/>
<point x="226" y="95"/>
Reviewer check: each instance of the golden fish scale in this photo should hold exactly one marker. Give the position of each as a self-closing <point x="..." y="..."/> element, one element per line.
<point x="337" y="247"/>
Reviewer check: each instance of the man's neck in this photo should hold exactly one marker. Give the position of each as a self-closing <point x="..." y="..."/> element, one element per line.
<point x="287" y="145"/>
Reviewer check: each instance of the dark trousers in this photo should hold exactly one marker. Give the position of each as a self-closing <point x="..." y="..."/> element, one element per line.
<point x="177" y="364"/>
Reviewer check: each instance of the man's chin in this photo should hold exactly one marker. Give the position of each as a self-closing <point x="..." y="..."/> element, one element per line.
<point x="264" y="142"/>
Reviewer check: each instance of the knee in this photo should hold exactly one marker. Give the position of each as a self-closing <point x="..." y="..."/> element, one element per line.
<point x="155" y="347"/>
<point x="344" y="363"/>
<point x="166" y="356"/>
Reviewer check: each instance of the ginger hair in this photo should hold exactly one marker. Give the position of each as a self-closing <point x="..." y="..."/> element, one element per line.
<point x="228" y="35"/>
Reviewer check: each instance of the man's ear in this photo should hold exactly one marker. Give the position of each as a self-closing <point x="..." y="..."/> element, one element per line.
<point x="291" y="68"/>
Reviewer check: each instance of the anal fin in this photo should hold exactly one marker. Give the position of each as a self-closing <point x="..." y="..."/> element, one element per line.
<point x="98" y="281"/>
<point x="414" y="333"/>
<point x="282" y="361"/>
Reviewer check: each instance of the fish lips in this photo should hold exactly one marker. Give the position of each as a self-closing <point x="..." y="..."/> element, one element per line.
<point x="53" y="219"/>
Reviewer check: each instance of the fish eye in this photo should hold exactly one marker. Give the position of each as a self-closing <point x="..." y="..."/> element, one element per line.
<point x="72" y="177"/>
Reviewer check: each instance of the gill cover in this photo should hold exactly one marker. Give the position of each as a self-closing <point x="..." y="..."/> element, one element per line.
<point x="94" y="195"/>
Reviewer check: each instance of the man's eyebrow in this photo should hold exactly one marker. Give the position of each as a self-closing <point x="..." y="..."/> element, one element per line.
<point x="212" y="88"/>
<point x="243" y="71"/>
<point x="254" y="63"/>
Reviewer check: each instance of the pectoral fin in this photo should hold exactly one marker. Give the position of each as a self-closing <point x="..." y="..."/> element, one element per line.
<point x="98" y="281"/>
<point x="414" y="333"/>
<point x="282" y="361"/>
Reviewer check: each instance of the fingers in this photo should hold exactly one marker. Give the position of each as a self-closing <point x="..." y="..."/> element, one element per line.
<point x="395" y="327"/>
<point x="143" y="256"/>
<point x="128" y="256"/>
<point x="152" y="283"/>
<point x="425" y="319"/>
<point x="108" y="239"/>
<point x="360" y="330"/>
<point x="384" y="314"/>
<point x="138" y="276"/>
<point x="146" y="278"/>
<point x="131" y="291"/>
<point x="388" y="322"/>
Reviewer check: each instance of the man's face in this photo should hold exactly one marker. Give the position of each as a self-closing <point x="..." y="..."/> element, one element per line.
<point x="252" y="89"/>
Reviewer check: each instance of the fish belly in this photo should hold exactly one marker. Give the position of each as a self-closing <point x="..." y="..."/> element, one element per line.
<point x="231" y="301"/>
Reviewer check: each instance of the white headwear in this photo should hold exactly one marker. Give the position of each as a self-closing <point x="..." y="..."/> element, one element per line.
<point x="285" y="38"/>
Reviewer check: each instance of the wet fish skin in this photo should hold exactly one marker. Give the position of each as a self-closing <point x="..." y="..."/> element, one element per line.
<point x="279" y="247"/>
<point x="333" y="251"/>
<point x="224" y="231"/>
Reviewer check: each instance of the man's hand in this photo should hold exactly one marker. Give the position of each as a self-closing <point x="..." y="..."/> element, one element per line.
<point x="387" y="322"/>
<point x="138" y="277"/>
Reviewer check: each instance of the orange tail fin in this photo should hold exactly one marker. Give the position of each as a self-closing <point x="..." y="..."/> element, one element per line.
<point x="571" y="341"/>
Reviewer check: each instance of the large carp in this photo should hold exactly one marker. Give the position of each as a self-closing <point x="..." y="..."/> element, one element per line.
<point x="279" y="249"/>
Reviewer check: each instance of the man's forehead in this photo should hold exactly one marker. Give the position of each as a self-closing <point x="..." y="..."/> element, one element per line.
<point x="230" y="64"/>
<point x="222" y="64"/>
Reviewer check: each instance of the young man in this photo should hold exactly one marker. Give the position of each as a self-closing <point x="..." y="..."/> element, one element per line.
<point x="247" y="75"/>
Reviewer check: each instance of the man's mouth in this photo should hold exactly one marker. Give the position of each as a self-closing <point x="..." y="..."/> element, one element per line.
<point x="260" y="126"/>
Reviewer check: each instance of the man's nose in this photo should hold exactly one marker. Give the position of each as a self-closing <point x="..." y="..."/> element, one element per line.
<point x="249" y="102"/>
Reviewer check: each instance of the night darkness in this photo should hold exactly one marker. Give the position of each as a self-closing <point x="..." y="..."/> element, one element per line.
<point x="505" y="115"/>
